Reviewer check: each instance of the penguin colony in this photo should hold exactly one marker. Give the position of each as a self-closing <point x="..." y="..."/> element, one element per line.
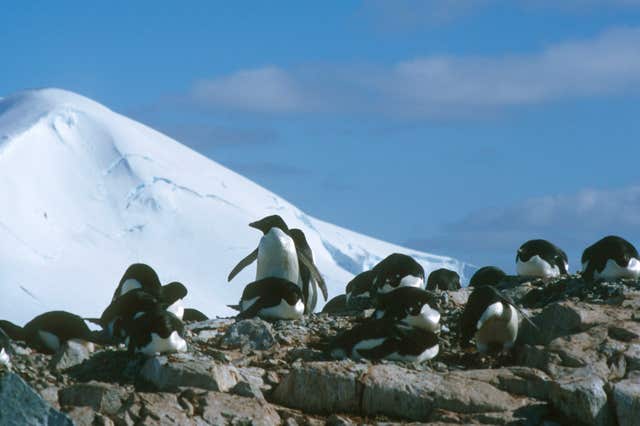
<point x="148" y="318"/>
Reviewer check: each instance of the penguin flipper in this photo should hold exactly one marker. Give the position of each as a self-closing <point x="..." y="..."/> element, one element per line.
<point x="234" y="307"/>
<point x="250" y="258"/>
<point x="315" y="274"/>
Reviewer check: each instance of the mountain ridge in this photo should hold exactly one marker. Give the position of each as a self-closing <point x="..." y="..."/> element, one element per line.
<point x="87" y="191"/>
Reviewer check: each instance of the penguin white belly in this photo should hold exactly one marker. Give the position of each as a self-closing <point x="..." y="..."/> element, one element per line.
<point x="364" y="345"/>
<point x="277" y="257"/>
<point x="91" y="347"/>
<point x="537" y="267"/>
<point x="50" y="340"/>
<point x="283" y="311"/>
<point x="129" y="285"/>
<point x="173" y="343"/>
<point x="177" y="308"/>
<point x="426" y="355"/>
<point x="4" y="358"/>
<point x="612" y="270"/>
<point x="494" y="328"/>
<point x="407" y="281"/>
<point x="427" y="319"/>
<point x="246" y="304"/>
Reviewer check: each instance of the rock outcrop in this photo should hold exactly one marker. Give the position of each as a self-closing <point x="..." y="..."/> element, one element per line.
<point x="579" y="364"/>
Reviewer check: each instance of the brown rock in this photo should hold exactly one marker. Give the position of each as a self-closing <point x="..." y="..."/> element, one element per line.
<point x="219" y="408"/>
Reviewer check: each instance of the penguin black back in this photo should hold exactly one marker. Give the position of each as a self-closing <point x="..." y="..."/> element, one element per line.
<point x="310" y="295"/>
<point x="487" y="275"/>
<point x="548" y="252"/>
<point x="595" y="257"/>
<point x="443" y="279"/>
<point x="138" y="275"/>
<point x="397" y="270"/>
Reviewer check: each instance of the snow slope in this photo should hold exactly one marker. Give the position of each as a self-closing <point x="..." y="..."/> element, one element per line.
<point x="85" y="191"/>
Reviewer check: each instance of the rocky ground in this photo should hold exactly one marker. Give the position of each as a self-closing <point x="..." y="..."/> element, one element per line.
<point x="582" y="366"/>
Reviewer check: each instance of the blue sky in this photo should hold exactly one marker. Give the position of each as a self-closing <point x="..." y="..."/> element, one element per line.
<point x="457" y="127"/>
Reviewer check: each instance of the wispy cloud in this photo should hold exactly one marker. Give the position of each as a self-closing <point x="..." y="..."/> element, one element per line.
<point x="573" y="221"/>
<point x="443" y="85"/>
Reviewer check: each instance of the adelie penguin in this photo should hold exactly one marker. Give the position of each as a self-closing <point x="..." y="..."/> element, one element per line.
<point x="540" y="258"/>
<point x="140" y="276"/>
<point x="49" y="331"/>
<point x="610" y="258"/>
<point x="358" y="291"/>
<point x="116" y="320"/>
<point x="397" y="270"/>
<point x="271" y="298"/>
<point x="491" y="318"/>
<point x="487" y="275"/>
<point x="385" y="339"/>
<point x="279" y="257"/>
<point x="410" y="306"/>
<point x="305" y="280"/>
<point x="156" y="331"/>
<point x="443" y="279"/>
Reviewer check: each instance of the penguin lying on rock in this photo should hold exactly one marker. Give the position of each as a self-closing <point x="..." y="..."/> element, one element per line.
<point x="385" y="339"/>
<point x="49" y="331"/>
<point x="271" y="298"/>
<point x="610" y="258"/>
<point x="540" y="258"/>
<point x="397" y="270"/>
<point x="410" y="306"/>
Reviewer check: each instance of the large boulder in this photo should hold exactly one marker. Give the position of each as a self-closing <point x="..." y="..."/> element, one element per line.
<point x="21" y="405"/>
<point x="626" y="397"/>
<point x="185" y="370"/>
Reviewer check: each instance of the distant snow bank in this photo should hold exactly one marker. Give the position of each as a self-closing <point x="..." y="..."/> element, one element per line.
<point x="85" y="192"/>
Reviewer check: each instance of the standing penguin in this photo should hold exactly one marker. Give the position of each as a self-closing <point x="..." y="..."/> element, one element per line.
<point x="491" y="318"/>
<point x="305" y="280"/>
<point x="278" y="256"/>
<point x="540" y="258"/>
<point x="610" y="258"/>
<point x="397" y="270"/>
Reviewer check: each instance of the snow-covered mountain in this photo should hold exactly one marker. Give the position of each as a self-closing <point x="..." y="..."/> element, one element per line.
<point x="84" y="192"/>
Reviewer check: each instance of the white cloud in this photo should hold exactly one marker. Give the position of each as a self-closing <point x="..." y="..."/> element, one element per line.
<point x="267" y="89"/>
<point x="608" y="64"/>
<point x="572" y="221"/>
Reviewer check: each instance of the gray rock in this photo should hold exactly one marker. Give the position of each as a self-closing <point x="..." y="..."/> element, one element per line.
<point x="247" y="389"/>
<point x="70" y="355"/>
<point x="394" y="391"/>
<point x="102" y="397"/>
<point x="322" y="387"/>
<point x="82" y="416"/>
<point x="632" y="356"/>
<point x="252" y="333"/>
<point x="219" y="408"/>
<point x="212" y="324"/>
<point x="160" y="409"/>
<point x="626" y="397"/>
<point x="186" y="371"/>
<point x="584" y="400"/>
<point x="21" y="405"/>
<point x="562" y="319"/>
<point x="515" y="380"/>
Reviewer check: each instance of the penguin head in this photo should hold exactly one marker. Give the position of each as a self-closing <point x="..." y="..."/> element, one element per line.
<point x="398" y="270"/>
<point x="139" y="275"/>
<point x="266" y="223"/>
<point x="172" y="292"/>
<point x="487" y="275"/>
